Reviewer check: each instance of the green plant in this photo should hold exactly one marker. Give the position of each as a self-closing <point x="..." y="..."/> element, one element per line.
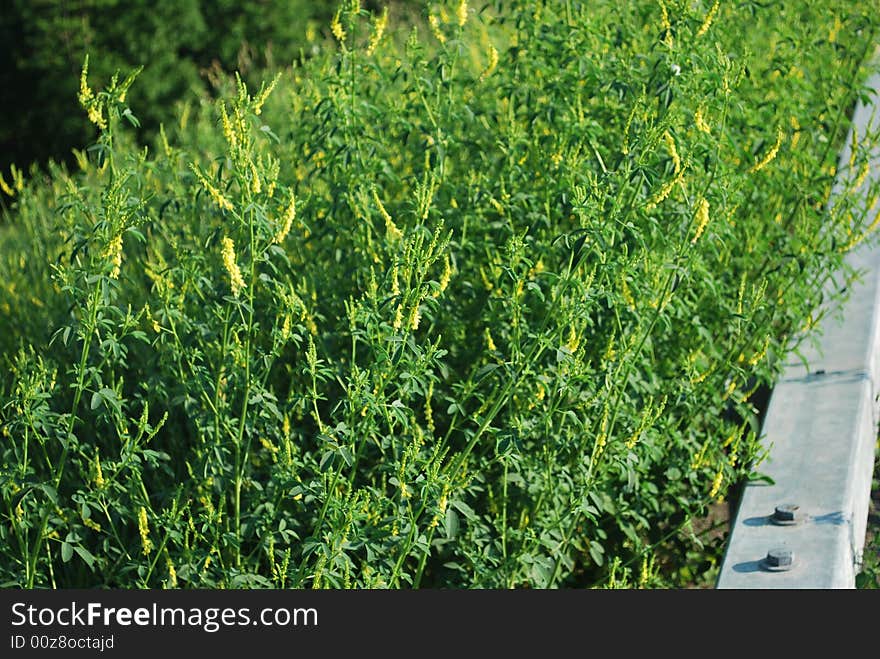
<point x="868" y="576"/>
<point x="485" y="309"/>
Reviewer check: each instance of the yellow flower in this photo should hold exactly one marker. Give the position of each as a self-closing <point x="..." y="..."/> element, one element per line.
<point x="289" y="216"/>
<point x="627" y="293"/>
<point x="236" y="281"/>
<point x="216" y="195"/>
<point x="708" y="20"/>
<point x="434" y="22"/>
<point x="5" y="187"/>
<point x="92" y="105"/>
<point x="228" y="132"/>
<point x="665" y="24"/>
<point x="444" y="277"/>
<point x="863" y="174"/>
<point x="414" y="317"/>
<point x="493" y="62"/>
<point x="702" y="220"/>
<point x="172" y="574"/>
<point x="673" y="152"/>
<point x="85" y="93"/>
<point x="99" y="475"/>
<point x="144" y="528"/>
<point x="832" y="33"/>
<point x="771" y="154"/>
<point x="337" y="29"/>
<point x="114" y="252"/>
<point x="716" y="483"/>
<point x="264" y="95"/>
<point x="378" y="30"/>
<point x="664" y="191"/>
<point x="390" y="228"/>
<point x="490" y="343"/>
<point x="255" y="180"/>
<point x="700" y="122"/>
<point x="395" y="282"/>
<point x="461" y="12"/>
<point x="760" y="355"/>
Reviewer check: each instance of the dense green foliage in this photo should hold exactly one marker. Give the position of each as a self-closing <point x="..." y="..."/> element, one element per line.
<point x="180" y="43"/>
<point x="486" y="308"/>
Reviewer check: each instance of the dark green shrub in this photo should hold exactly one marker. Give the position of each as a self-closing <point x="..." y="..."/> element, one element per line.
<point x="175" y="41"/>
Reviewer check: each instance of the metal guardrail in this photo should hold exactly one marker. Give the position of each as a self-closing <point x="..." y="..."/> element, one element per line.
<point x="807" y="529"/>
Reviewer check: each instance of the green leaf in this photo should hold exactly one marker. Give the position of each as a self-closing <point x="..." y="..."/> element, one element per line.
<point x="346" y="455"/>
<point x="66" y="551"/>
<point x="597" y="553"/>
<point x="84" y="554"/>
<point x="761" y="478"/>
<point x="452" y="525"/>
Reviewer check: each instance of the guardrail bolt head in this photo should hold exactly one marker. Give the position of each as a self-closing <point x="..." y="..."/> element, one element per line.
<point x="787" y="513"/>
<point x="779" y="560"/>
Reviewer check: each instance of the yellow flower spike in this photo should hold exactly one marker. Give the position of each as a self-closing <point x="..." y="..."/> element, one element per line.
<point x="702" y="220"/>
<point x="461" y="13"/>
<point x="114" y="253"/>
<point x="729" y="391"/>
<point x="337" y="29"/>
<point x="854" y="147"/>
<point x="757" y="357"/>
<point x="491" y="66"/>
<point x="288" y="217"/>
<point x="378" y="31"/>
<point x="697" y="462"/>
<point x="395" y="282"/>
<point x="5" y="187"/>
<point x="256" y="186"/>
<point x="700" y="122"/>
<point x="574" y="340"/>
<point x="258" y="103"/>
<point x="414" y="317"/>
<point x="707" y="22"/>
<point x="771" y="154"/>
<point x="610" y="352"/>
<point x="716" y="482"/>
<point x="85" y="93"/>
<point x="99" y="475"/>
<point x="172" y="573"/>
<point x="236" y="281"/>
<point x="835" y="29"/>
<point x="666" y="25"/>
<point x="215" y="194"/>
<point x="434" y="23"/>
<point x="445" y="277"/>
<point x="664" y="191"/>
<point x="863" y="174"/>
<point x="673" y="151"/>
<point x="541" y="393"/>
<point x="390" y="228"/>
<point x="228" y="132"/>
<point x="490" y="343"/>
<point x="144" y="529"/>
<point x="626" y="293"/>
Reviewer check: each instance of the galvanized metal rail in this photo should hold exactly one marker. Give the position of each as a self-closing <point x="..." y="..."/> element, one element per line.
<point x="807" y="529"/>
